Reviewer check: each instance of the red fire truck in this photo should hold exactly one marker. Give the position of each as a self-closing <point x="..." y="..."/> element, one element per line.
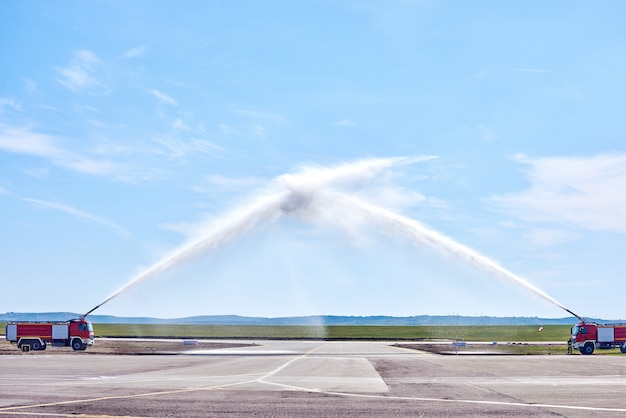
<point x="75" y="333"/>
<point x="587" y="336"/>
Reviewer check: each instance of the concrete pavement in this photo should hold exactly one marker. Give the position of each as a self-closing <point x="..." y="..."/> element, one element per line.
<point x="311" y="378"/>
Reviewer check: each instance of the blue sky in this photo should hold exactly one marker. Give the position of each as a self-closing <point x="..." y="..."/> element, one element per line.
<point x="129" y="128"/>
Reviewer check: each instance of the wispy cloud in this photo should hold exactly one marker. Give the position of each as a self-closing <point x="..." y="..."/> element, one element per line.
<point x="583" y="191"/>
<point x="25" y="141"/>
<point x="345" y="123"/>
<point x="164" y="98"/>
<point x="105" y="158"/>
<point x="174" y="147"/>
<point x="81" y="73"/>
<point x="133" y="53"/>
<point x="179" y="125"/>
<point x="81" y="214"/>
<point x="8" y="102"/>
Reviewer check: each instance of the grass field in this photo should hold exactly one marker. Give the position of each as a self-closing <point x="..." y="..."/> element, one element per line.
<point x="500" y="333"/>
<point x="467" y="333"/>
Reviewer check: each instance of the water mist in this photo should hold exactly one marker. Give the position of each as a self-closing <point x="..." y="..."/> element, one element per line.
<point x="307" y="193"/>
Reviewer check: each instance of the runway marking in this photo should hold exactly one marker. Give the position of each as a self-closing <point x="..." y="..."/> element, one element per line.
<point x="52" y="414"/>
<point x="465" y="401"/>
<point x="10" y="409"/>
<point x="409" y="398"/>
<point x="13" y="409"/>
<point x="282" y="367"/>
<point x="471" y="401"/>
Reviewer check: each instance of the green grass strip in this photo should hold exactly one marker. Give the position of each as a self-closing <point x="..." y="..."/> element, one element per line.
<point x="333" y="332"/>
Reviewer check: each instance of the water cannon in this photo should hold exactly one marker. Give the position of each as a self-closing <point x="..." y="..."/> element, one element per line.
<point x="83" y="317"/>
<point x="580" y="318"/>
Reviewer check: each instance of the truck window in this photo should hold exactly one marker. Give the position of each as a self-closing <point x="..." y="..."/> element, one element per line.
<point x="583" y="330"/>
<point x="575" y="330"/>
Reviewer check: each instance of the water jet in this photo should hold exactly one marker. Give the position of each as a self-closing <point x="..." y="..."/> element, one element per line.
<point x="295" y="194"/>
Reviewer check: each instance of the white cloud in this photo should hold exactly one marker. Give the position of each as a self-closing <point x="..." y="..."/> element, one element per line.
<point x="164" y="98"/>
<point x="81" y="214"/>
<point x="24" y="141"/>
<point x="81" y="73"/>
<point x="587" y="192"/>
<point x="346" y="123"/>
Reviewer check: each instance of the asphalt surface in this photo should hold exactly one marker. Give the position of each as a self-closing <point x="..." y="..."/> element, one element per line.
<point x="310" y="378"/>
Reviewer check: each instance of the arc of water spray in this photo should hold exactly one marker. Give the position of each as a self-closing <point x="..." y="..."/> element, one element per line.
<point x="419" y="233"/>
<point x="294" y="191"/>
<point x="298" y="192"/>
<point x="264" y="211"/>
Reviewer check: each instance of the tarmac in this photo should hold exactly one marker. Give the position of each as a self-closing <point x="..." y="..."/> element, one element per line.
<point x="310" y="378"/>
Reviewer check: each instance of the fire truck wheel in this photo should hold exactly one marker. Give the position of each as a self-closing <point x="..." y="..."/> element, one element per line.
<point x="78" y="345"/>
<point x="587" y="349"/>
<point x="36" y="345"/>
<point x="623" y="348"/>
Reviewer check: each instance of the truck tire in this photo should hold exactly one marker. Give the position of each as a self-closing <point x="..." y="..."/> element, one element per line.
<point x="29" y="342"/>
<point x="78" y="344"/>
<point x="622" y="348"/>
<point x="587" y="349"/>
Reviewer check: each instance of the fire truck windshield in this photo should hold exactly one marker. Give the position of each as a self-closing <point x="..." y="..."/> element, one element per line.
<point x="85" y="326"/>
<point x="575" y="330"/>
